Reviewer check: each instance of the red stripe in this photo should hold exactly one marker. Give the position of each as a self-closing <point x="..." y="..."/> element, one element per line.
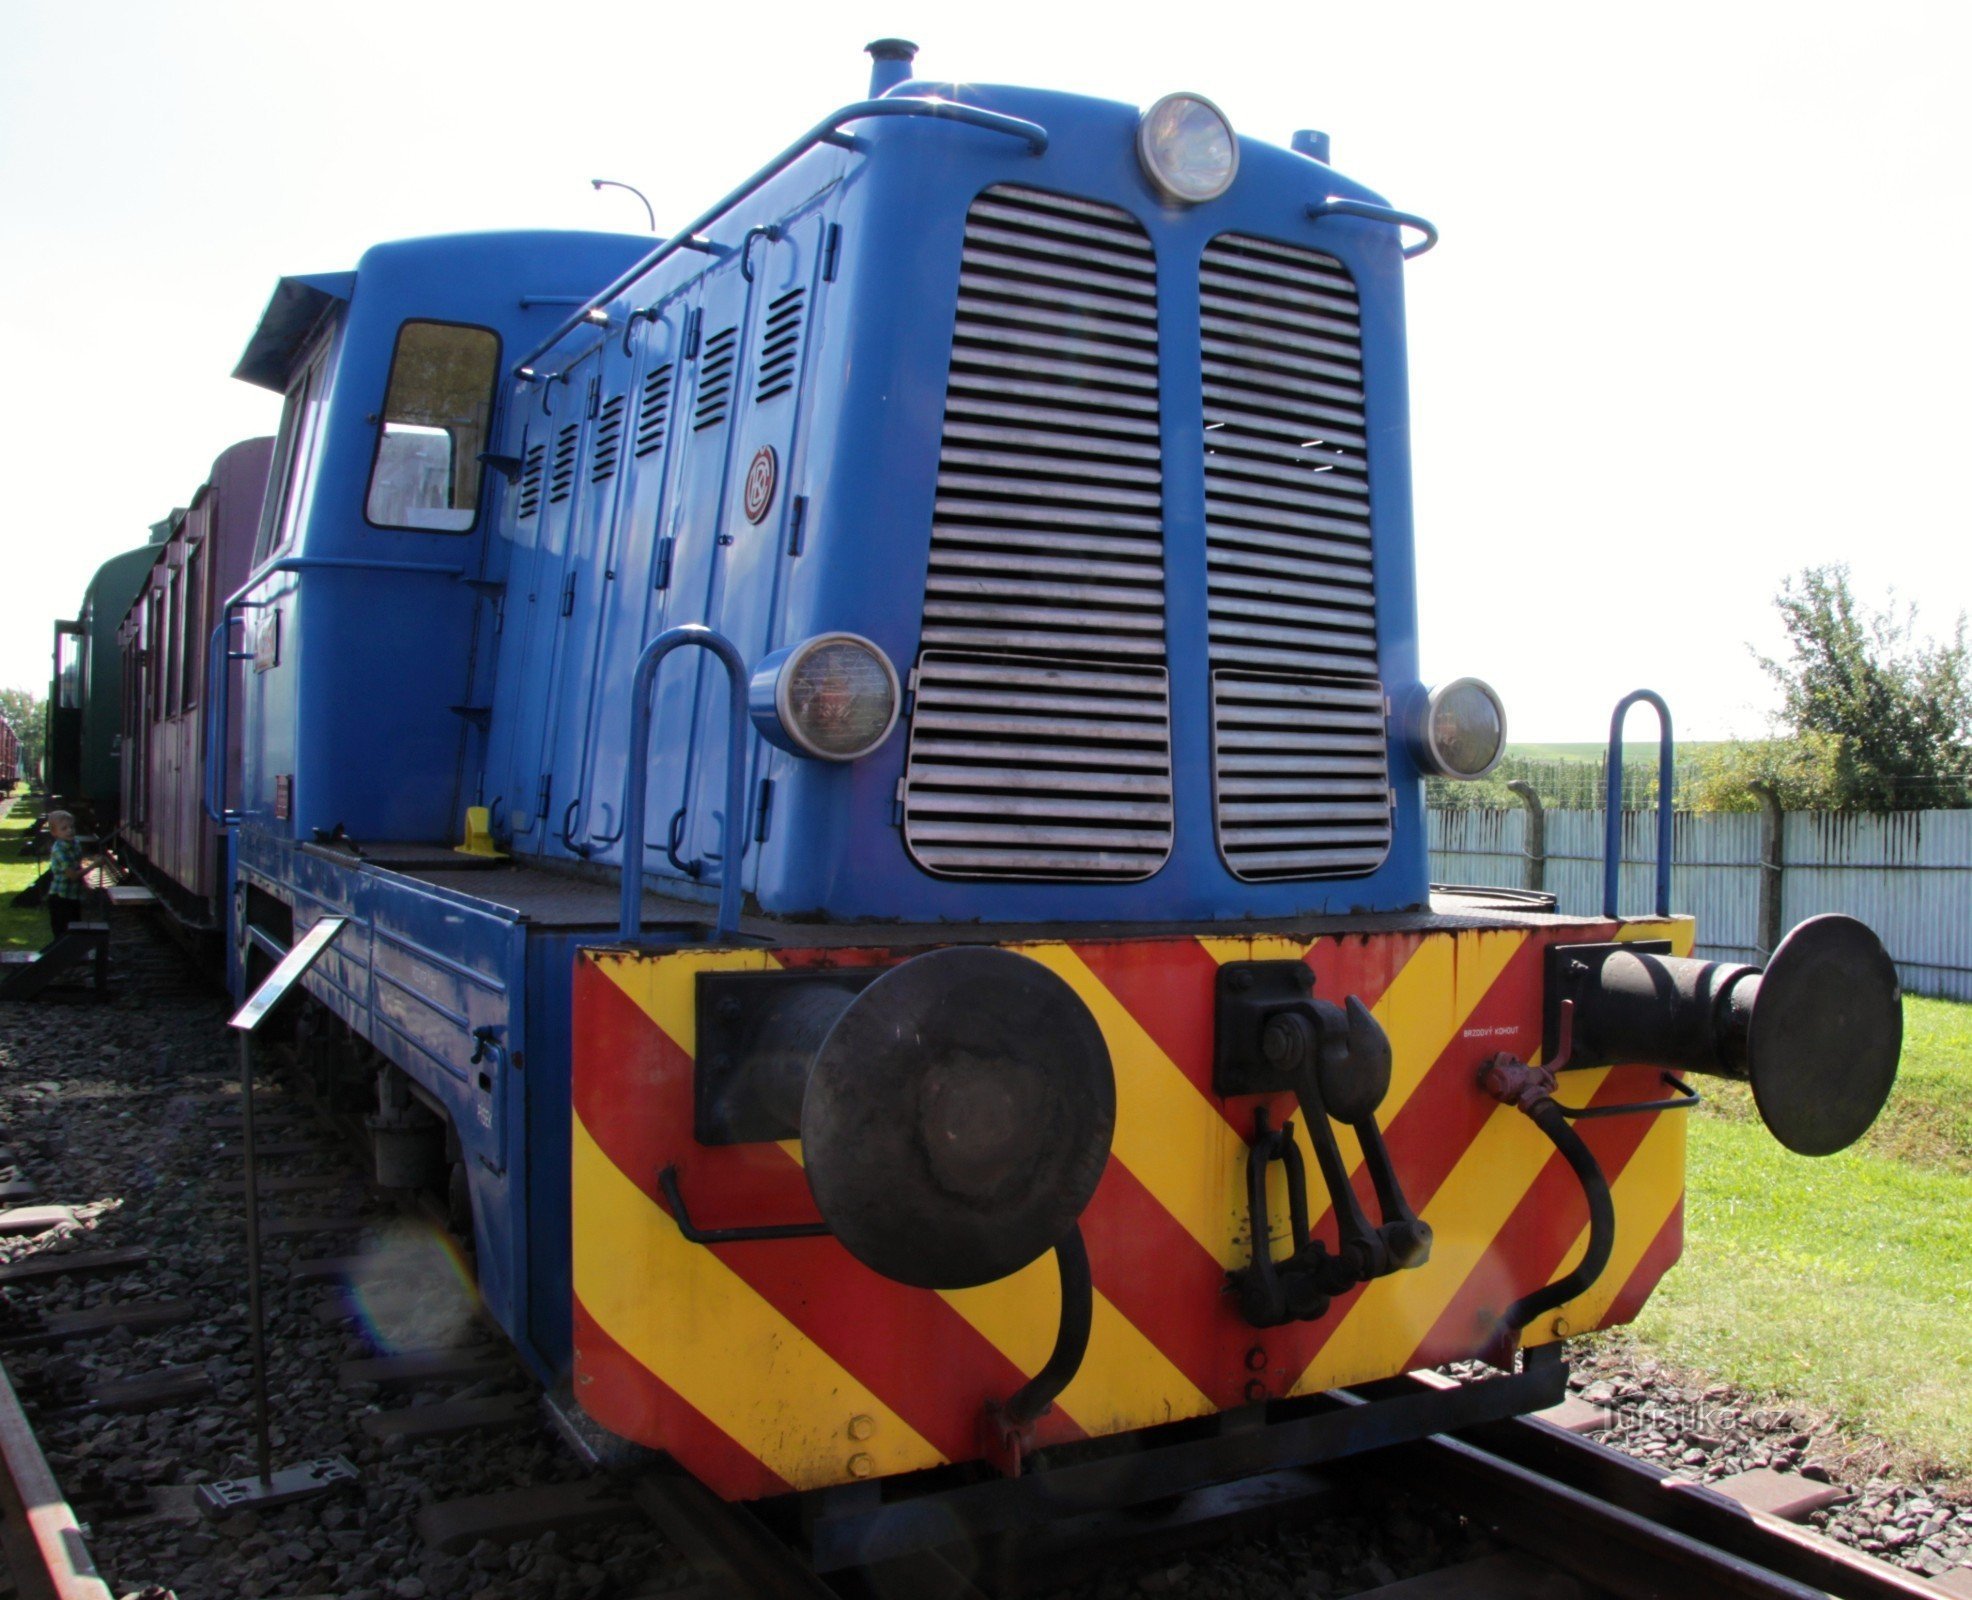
<point x="633" y="1090"/>
<point x="1657" y="1260"/>
<point x="1529" y="1249"/>
<point x="628" y="1399"/>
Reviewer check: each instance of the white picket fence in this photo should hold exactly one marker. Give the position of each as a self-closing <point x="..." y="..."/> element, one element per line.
<point x="1908" y="875"/>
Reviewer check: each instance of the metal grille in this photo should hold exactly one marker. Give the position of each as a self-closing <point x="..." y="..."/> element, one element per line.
<point x="530" y="479"/>
<point x="609" y="440"/>
<point x="715" y="380"/>
<point x="561" y="472"/>
<point x="780" y="346"/>
<point x="654" y="410"/>
<point x="1286" y="474"/>
<point x="1040" y="738"/>
<point x="1301" y="784"/>
<point x="1048" y="533"/>
<point x="1023" y="770"/>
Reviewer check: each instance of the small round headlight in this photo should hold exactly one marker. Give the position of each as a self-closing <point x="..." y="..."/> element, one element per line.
<point x="834" y="697"/>
<point x="1462" y="733"/>
<point x="1188" y="148"/>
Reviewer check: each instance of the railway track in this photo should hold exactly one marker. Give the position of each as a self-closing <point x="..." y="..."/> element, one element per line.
<point x="121" y="1332"/>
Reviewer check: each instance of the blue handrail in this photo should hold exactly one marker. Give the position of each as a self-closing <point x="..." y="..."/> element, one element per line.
<point x="1337" y="206"/>
<point x="219" y="659"/>
<point x="636" y="783"/>
<point x="1612" y="802"/>
<point x="827" y="131"/>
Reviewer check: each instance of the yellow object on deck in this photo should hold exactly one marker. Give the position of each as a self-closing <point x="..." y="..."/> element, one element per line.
<point x="479" y="834"/>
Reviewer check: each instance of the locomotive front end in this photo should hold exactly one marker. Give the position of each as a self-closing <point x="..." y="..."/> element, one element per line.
<point x="1093" y="1056"/>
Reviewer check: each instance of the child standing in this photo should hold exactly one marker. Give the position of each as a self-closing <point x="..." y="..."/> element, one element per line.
<point x="64" y="873"/>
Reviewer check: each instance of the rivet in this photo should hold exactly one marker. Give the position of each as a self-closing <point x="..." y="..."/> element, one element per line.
<point x="861" y="1466"/>
<point x="1239" y="978"/>
<point x="1561" y="1328"/>
<point x="1256" y="1391"/>
<point x="728" y="1008"/>
<point x="861" y="1427"/>
<point x="1256" y="1358"/>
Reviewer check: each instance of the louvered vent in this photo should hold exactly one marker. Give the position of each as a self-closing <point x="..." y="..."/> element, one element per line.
<point x="1024" y="770"/>
<point x="654" y="410"/>
<point x="1040" y="738"/>
<point x="715" y="380"/>
<point x="1301" y="784"/>
<point x="1286" y="477"/>
<point x="561" y="475"/>
<point x="530" y="479"/>
<point x="1048" y="535"/>
<point x="1302" y="788"/>
<point x="609" y="440"/>
<point x="780" y="348"/>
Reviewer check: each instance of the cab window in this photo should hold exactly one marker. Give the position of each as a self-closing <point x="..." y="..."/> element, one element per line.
<point x="427" y="470"/>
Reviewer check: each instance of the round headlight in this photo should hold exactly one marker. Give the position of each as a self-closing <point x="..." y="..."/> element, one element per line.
<point x="1188" y="148"/>
<point x="1463" y="732"/>
<point x="834" y="697"/>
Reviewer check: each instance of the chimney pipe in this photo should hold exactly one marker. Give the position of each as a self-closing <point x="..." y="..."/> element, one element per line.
<point x="890" y="64"/>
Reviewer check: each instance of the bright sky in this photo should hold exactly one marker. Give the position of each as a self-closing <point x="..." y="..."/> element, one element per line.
<point x="1699" y="317"/>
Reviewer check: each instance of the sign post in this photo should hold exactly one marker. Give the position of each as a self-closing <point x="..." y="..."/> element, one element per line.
<point x="267" y="1487"/>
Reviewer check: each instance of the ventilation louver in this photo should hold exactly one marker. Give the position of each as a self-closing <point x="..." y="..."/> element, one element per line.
<point x="1019" y="769"/>
<point x="654" y="410"/>
<point x="1040" y="738"/>
<point x="715" y="380"/>
<point x="530" y="479"/>
<point x="609" y="440"/>
<point x="1298" y="724"/>
<point x="780" y="347"/>
<point x="561" y="473"/>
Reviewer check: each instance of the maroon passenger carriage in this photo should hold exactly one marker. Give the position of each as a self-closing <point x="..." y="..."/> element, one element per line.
<point x="169" y="839"/>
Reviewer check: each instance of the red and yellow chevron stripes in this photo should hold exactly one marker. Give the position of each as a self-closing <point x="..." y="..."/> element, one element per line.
<point x="769" y="1365"/>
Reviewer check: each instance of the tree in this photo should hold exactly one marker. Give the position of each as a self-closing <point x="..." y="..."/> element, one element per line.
<point x="27" y="712"/>
<point x="1899" y="705"/>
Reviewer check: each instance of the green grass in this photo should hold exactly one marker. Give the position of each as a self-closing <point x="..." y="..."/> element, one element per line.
<point x="1843" y="1283"/>
<point x="1928" y="1121"/>
<point x="24" y="929"/>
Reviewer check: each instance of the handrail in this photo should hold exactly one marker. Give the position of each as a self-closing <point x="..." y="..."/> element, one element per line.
<point x="1339" y="206"/>
<point x="1612" y="802"/>
<point x="218" y="710"/>
<point x="828" y="131"/>
<point x="636" y="781"/>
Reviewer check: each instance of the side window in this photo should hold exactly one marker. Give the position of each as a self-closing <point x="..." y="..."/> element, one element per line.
<point x="174" y="641"/>
<point x="427" y="470"/>
<point x="294" y="453"/>
<point x="194" y="646"/>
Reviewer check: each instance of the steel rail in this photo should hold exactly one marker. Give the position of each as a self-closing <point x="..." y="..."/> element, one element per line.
<point x="1625" y="1526"/>
<point x="43" y="1541"/>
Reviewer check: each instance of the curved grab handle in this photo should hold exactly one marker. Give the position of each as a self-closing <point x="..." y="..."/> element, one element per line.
<point x="1612" y="802"/>
<point x="765" y="230"/>
<point x="219" y="658"/>
<point x="1338" y="206"/>
<point x="636" y="782"/>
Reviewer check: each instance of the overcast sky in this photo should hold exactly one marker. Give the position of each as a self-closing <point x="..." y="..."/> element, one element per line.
<point x="1699" y="318"/>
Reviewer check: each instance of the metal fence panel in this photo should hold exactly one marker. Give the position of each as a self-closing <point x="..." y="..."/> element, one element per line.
<point x="1908" y="875"/>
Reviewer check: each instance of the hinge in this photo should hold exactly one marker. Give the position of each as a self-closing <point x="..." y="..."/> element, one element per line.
<point x="692" y="320"/>
<point x="910" y="694"/>
<point x="897" y="806"/>
<point x="1393" y="799"/>
<point x="594" y="395"/>
<point x="830" y="251"/>
<point x="568" y="595"/>
<point x="764" y="823"/>
<point x="663" y="580"/>
<point x="547" y="788"/>
<point x="797" y="524"/>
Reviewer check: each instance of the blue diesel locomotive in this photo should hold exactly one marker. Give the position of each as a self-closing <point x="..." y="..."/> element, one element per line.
<point x="873" y="751"/>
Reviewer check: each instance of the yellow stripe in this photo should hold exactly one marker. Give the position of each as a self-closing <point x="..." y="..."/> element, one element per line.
<point x="1645" y="1193"/>
<point x="666" y="989"/>
<point x="1467" y="1213"/>
<point x="1170" y="1136"/>
<point x="1124" y="1382"/>
<point x="717" y="1342"/>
